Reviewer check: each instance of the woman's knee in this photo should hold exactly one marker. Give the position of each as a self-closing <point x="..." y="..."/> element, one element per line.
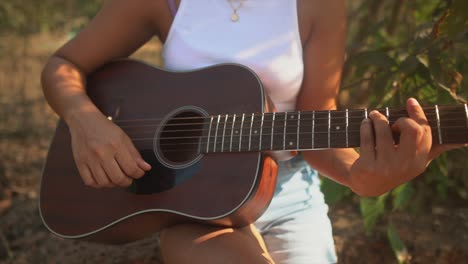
<point x="193" y="243"/>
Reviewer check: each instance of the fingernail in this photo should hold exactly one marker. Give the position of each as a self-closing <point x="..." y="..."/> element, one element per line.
<point x="373" y="113"/>
<point x="144" y="164"/>
<point x="413" y="102"/>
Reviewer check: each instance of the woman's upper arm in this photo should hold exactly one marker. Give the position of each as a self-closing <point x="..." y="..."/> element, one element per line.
<point x="119" y="28"/>
<point x="323" y="56"/>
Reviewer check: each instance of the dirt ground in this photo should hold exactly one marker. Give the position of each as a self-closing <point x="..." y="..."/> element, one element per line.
<point x="436" y="235"/>
<point x="439" y="237"/>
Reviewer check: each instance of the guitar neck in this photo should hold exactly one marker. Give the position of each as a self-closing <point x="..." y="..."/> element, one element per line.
<point x="311" y="130"/>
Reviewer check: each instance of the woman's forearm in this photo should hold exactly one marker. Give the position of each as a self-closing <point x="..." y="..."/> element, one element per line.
<point x="333" y="163"/>
<point x="63" y="85"/>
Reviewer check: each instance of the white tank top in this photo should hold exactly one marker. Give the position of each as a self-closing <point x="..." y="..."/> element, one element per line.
<point x="266" y="39"/>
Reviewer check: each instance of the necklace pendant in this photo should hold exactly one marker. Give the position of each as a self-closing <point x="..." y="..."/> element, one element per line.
<point x="234" y="17"/>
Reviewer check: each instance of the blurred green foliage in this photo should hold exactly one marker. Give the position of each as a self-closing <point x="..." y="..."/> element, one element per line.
<point x="395" y="49"/>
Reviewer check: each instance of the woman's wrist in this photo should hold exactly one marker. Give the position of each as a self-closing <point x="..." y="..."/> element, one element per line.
<point x="78" y="113"/>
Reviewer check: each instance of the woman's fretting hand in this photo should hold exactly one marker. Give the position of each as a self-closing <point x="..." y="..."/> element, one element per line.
<point x="104" y="155"/>
<point x="382" y="165"/>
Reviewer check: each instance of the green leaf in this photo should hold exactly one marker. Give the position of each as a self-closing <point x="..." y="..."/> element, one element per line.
<point x="333" y="192"/>
<point x="457" y="20"/>
<point x="377" y="59"/>
<point x="409" y="65"/>
<point x="402" y="195"/>
<point x="381" y="88"/>
<point x="371" y="210"/>
<point x="398" y="247"/>
<point x="420" y="44"/>
<point x="423" y="71"/>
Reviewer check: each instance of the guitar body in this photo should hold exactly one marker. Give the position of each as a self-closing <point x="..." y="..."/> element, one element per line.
<point x="231" y="189"/>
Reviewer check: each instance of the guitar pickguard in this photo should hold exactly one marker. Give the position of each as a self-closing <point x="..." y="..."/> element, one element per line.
<point x="161" y="178"/>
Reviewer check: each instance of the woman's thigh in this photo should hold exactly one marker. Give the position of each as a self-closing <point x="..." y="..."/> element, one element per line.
<point x="195" y="243"/>
<point x="295" y="227"/>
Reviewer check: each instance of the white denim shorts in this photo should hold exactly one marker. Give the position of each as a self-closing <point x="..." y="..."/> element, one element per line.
<point x="296" y="227"/>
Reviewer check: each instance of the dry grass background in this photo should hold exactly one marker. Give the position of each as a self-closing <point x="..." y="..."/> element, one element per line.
<point x="27" y="125"/>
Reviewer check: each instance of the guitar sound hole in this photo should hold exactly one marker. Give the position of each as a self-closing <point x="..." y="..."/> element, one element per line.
<point x="179" y="140"/>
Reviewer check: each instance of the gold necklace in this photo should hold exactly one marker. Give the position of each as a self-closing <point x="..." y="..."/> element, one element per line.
<point x="235" y="15"/>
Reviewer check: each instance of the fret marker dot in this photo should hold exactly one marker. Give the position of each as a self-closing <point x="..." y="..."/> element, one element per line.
<point x="237" y="132"/>
<point x="338" y="127"/>
<point x="292" y="116"/>
<point x="291" y="143"/>
<point x="255" y="131"/>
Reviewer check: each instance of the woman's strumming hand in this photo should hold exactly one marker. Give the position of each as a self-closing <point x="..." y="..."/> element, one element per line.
<point x="104" y="155"/>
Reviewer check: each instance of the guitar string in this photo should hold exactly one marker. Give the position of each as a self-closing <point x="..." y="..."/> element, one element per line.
<point x="205" y="120"/>
<point x="302" y="133"/>
<point x="335" y="127"/>
<point x="256" y="122"/>
<point x="432" y="124"/>
<point x="256" y="139"/>
<point x="277" y="146"/>
<point x="323" y="127"/>
<point x="350" y="111"/>
<point x="319" y="116"/>
<point x="182" y="147"/>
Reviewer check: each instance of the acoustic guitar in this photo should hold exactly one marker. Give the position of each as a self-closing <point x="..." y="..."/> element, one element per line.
<point x="209" y="140"/>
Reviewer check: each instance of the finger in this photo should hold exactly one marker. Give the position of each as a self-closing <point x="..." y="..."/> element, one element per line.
<point x="128" y="164"/>
<point x="116" y="175"/>
<point x="86" y="175"/>
<point x="136" y="155"/>
<point x="385" y="146"/>
<point x="367" y="148"/>
<point x="100" y="176"/>
<point x="410" y="133"/>
<point x="416" y="112"/>
<point x="439" y="149"/>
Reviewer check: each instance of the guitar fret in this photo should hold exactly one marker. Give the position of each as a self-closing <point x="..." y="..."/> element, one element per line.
<point x="438" y="124"/>
<point x="347" y="128"/>
<point x="216" y="134"/>
<point x="241" y="128"/>
<point x="466" y="112"/>
<point x="329" y="127"/>
<point x="209" y="136"/>
<point x="224" y="133"/>
<point x="387" y="113"/>
<point x="250" y="137"/>
<point x="365" y="113"/>
<point x="232" y="132"/>
<point x="284" y="130"/>
<point x="272" y="127"/>
<point x="313" y="130"/>
<point x="298" y="126"/>
<point x="261" y="132"/>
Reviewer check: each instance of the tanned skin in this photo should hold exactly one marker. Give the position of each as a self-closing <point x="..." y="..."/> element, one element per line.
<point x="106" y="157"/>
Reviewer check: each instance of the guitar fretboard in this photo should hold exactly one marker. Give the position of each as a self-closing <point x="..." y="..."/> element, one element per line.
<point x="317" y="129"/>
